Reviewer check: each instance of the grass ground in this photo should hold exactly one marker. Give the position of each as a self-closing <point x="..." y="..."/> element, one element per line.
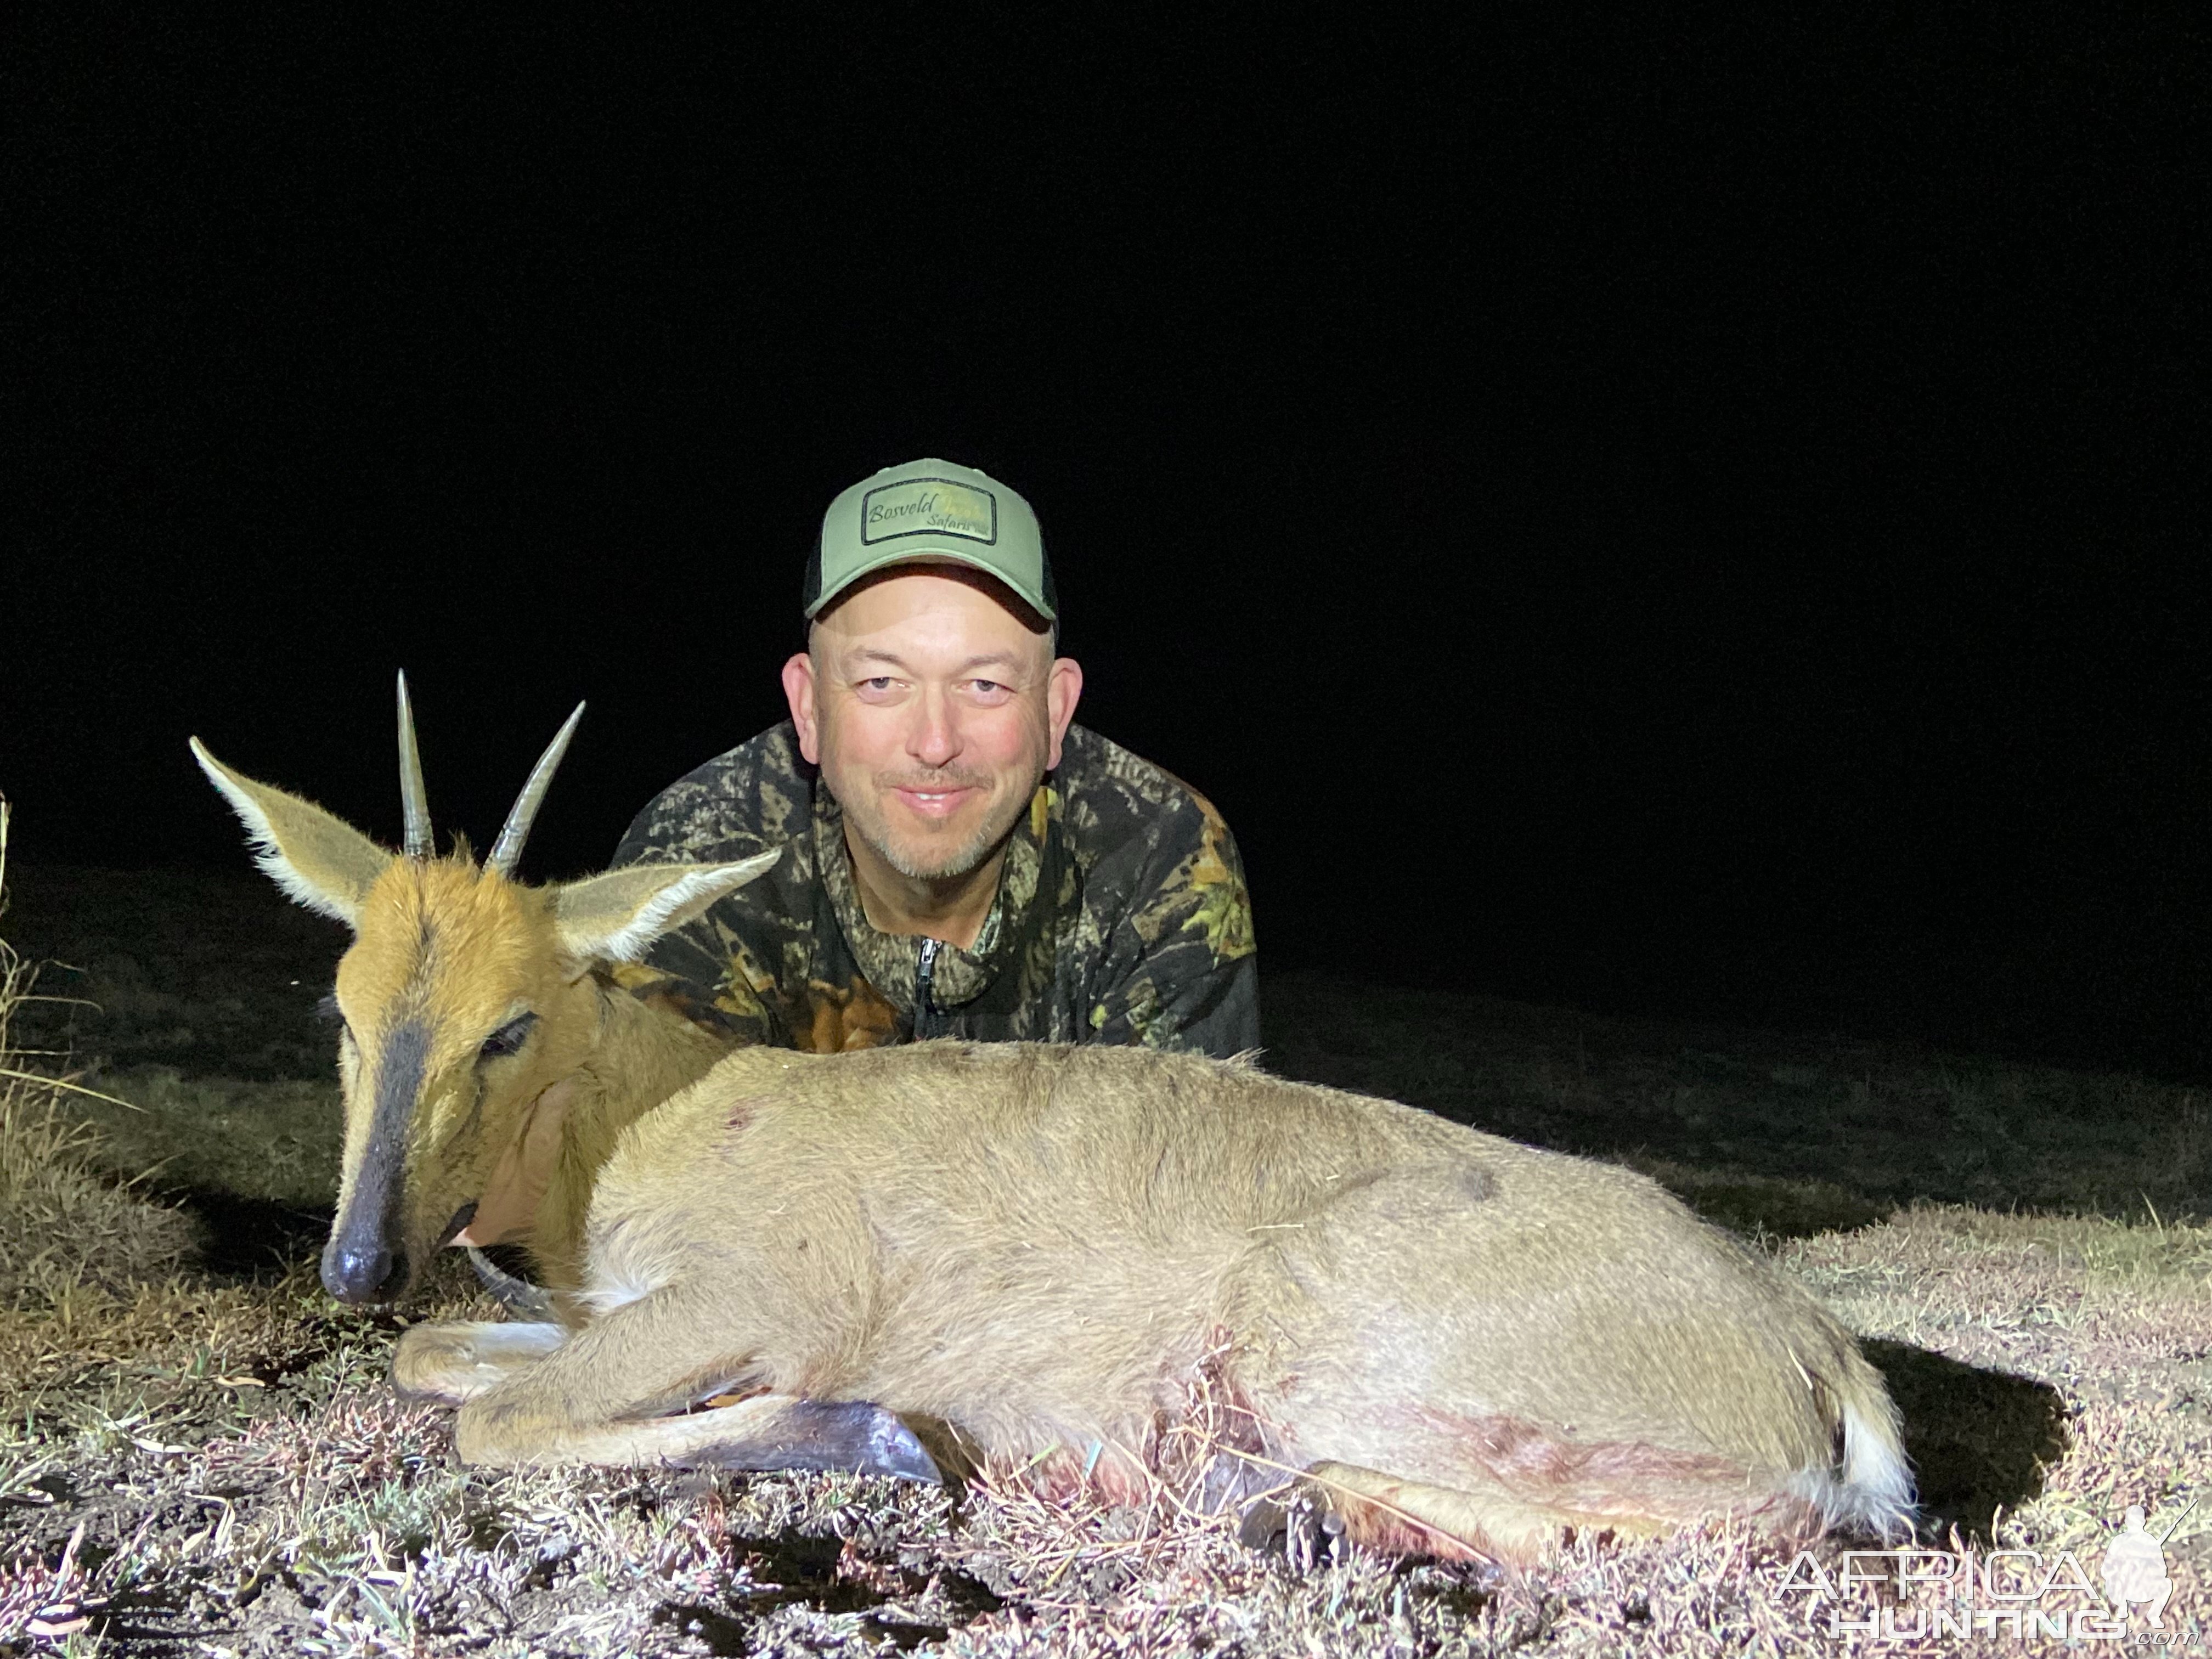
<point x="199" y="1454"/>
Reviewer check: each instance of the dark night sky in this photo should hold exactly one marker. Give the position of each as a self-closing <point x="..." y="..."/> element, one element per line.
<point x="1704" y="518"/>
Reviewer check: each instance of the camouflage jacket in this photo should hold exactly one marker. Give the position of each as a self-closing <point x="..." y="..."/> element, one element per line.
<point x="1121" y="915"/>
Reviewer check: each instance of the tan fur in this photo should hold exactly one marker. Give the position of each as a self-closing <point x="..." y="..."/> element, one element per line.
<point x="1037" y="1246"/>
<point x="463" y="950"/>
<point x="1468" y="1347"/>
<point x="447" y="952"/>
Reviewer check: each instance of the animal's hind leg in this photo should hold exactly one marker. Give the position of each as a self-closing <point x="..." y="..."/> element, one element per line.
<point x="1305" y="1515"/>
<point x="452" y="1362"/>
<point x="1408" y="1517"/>
<point x="616" y="1393"/>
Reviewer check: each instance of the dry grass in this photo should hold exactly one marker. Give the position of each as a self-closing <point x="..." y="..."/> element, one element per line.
<point x="192" y="1464"/>
<point x="63" y="1227"/>
<point x="236" y="1472"/>
<point x="275" y="1140"/>
<point x="1790" y="1133"/>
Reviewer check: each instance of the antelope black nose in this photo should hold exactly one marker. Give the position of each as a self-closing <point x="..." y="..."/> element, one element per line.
<point x="361" y="1273"/>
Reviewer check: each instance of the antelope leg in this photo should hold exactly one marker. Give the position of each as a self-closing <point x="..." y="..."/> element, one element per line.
<point x="769" y="1431"/>
<point x="619" y="1390"/>
<point x="452" y="1362"/>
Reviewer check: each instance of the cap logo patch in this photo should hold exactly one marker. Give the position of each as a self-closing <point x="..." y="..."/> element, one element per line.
<point x="928" y="506"/>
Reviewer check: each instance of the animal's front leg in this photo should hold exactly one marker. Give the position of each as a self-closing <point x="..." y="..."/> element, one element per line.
<point x="453" y="1362"/>
<point x="766" y="1432"/>
<point x="628" y="1389"/>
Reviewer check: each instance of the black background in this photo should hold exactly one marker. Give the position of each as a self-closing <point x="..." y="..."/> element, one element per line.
<point x="1697" y="514"/>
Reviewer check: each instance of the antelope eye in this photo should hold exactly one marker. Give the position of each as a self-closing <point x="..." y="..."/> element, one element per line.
<point x="508" y="1038"/>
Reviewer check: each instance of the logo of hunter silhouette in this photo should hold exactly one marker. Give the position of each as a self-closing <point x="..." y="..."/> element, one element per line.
<point x="928" y="504"/>
<point x="2134" y="1570"/>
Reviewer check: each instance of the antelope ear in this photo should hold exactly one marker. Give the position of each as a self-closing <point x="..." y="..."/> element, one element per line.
<point x="318" y="860"/>
<point x="615" y="916"/>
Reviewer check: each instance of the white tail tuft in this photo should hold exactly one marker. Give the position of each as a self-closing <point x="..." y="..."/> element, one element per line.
<point x="1872" y="1491"/>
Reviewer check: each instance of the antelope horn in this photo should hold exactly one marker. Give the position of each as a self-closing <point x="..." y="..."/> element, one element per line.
<point x="413" y="800"/>
<point x="517" y="1296"/>
<point x="507" y="851"/>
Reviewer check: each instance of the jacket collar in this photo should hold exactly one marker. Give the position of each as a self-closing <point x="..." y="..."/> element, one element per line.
<point x="888" y="960"/>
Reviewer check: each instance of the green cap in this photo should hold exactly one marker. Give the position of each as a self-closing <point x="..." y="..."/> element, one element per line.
<point x="930" y="512"/>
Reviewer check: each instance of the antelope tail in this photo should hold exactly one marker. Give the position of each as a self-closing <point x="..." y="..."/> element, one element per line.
<point x="1868" y="1489"/>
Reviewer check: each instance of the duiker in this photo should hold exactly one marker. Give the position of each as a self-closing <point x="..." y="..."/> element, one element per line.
<point x="1034" y="1255"/>
<point x="486" y="1052"/>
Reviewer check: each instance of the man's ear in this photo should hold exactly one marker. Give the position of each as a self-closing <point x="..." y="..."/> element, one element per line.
<point x="615" y="917"/>
<point x="798" y="690"/>
<point x="318" y="859"/>
<point x="1063" y="689"/>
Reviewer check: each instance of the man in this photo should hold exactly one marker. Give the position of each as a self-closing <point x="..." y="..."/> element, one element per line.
<point x="960" y="860"/>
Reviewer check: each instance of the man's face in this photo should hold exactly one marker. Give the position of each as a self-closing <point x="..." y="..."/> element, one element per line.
<point x="932" y="711"/>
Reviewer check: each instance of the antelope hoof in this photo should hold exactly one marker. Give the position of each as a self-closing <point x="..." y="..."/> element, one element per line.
<point x="853" y="1436"/>
<point x="450" y="1365"/>
<point x="1300" y="1527"/>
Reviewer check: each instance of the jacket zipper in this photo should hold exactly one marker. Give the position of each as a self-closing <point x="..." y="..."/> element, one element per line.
<point x="925" y="973"/>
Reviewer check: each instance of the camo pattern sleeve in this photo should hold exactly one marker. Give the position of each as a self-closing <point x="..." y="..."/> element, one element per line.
<point x="744" y="950"/>
<point x="1121" y="915"/>
<point x="1165" y="934"/>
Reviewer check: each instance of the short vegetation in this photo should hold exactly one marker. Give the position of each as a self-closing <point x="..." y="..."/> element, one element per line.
<point x="199" y="1453"/>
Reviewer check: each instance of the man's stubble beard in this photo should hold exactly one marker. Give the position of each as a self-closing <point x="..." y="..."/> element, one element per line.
<point x="861" y="813"/>
<point x="937" y="866"/>
<point x="934" y="864"/>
